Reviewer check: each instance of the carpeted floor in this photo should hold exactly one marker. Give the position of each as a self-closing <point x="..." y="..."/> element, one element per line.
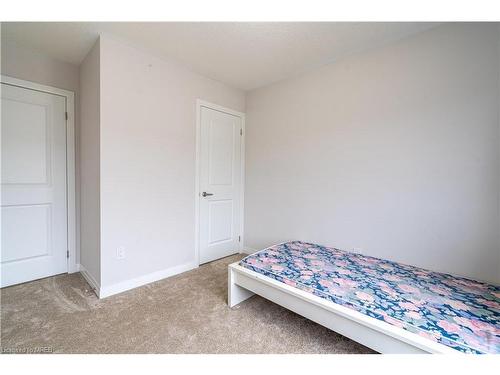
<point x="182" y="314"/>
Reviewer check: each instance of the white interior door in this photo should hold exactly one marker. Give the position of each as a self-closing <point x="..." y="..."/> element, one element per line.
<point x="220" y="184"/>
<point x="33" y="207"/>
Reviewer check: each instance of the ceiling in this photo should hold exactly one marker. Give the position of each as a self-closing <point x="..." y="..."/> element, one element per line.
<point x="241" y="54"/>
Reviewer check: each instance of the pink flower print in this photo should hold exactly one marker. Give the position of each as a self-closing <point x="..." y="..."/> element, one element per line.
<point x="439" y="290"/>
<point x="345" y="282"/>
<point x="326" y="284"/>
<point x="341" y="263"/>
<point x="417" y="302"/>
<point x="449" y="326"/>
<point x="464" y="322"/>
<point x="317" y="262"/>
<point x="473" y="284"/>
<point x="310" y="256"/>
<point x="337" y="291"/>
<point x="277" y="267"/>
<point x="363" y="263"/>
<point x="393" y="321"/>
<point x="300" y="265"/>
<point x="266" y="260"/>
<point x="436" y="334"/>
<point x="492" y="304"/>
<point x="474" y="342"/>
<point x="433" y="335"/>
<point x="364" y="296"/>
<point x="433" y="310"/>
<point x="392" y="277"/>
<point x="453" y="283"/>
<point x="457" y="305"/>
<point x="426" y="335"/>
<point x="408" y="306"/>
<point x="328" y="268"/>
<point x="413" y="315"/>
<point x="306" y="274"/>
<point x="409" y="288"/>
<point x="390" y="291"/>
<point x="421" y="273"/>
<point x="369" y="271"/>
<point x="483" y="326"/>
<point x="433" y="298"/>
<point x="290" y="282"/>
<point x="343" y="271"/>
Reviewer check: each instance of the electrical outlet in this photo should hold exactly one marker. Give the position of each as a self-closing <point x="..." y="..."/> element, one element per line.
<point x="120" y="252"/>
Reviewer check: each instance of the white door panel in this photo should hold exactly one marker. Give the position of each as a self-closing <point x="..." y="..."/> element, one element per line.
<point x="34" y="219"/>
<point x="220" y="177"/>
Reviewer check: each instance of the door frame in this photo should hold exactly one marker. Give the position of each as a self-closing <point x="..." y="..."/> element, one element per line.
<point x="70" y="159"/>
<point x="199" y="104"/>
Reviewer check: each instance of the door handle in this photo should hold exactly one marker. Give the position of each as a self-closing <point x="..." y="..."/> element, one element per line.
<point x="205" y="194"/>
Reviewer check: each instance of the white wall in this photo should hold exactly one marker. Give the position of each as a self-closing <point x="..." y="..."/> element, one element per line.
<point x="394" y="151"/>
<point x="148" y="123"/>
<point x="24" y="63"/>
<point x="90" y="164"/>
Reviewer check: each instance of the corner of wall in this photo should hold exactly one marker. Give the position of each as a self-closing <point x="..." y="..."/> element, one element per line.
<point x="498" y="27"/>
<point x="90" y="260"/>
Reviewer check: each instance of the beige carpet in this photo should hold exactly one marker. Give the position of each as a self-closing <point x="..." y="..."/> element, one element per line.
<point x="183" y="314"/>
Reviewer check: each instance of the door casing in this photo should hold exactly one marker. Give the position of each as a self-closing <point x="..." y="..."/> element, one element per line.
<point x="72" y="247"/>
<point x="199" y="104"/>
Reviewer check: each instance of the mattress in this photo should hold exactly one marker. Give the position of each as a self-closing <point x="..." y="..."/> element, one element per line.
<point x="457" y="312"/>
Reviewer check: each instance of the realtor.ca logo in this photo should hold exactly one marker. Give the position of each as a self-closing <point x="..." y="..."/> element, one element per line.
<point x="33" y="350"/>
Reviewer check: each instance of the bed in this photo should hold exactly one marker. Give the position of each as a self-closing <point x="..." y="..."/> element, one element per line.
<point x="387" y="306"/>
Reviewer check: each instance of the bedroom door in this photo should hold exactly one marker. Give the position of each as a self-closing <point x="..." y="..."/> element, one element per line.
<point x="220" y="179"/>
<point x="33" y="207"/>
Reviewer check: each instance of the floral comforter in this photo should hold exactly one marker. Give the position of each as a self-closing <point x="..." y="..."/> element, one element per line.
<point x="460" y="313"/>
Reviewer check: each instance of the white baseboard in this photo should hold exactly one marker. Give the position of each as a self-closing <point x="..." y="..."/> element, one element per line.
<point x="89" y="278"/>
<point x="106" y="291"/>
<point x="248" y="250"/>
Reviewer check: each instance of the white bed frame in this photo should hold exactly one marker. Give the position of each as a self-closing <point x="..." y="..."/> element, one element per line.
<point x="373" y="333"/>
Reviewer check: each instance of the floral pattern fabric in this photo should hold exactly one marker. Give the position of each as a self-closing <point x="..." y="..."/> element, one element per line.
<point x="457" y="312"/>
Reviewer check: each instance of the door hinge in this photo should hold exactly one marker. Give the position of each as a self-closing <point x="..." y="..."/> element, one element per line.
<point x="66" y="114"/>
<point x="241" y="131"/>
<point x="239" y="238"/>
<point x="67" y="253"/>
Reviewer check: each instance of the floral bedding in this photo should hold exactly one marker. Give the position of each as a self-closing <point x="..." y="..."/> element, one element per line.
<point x="457" y="312"/>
